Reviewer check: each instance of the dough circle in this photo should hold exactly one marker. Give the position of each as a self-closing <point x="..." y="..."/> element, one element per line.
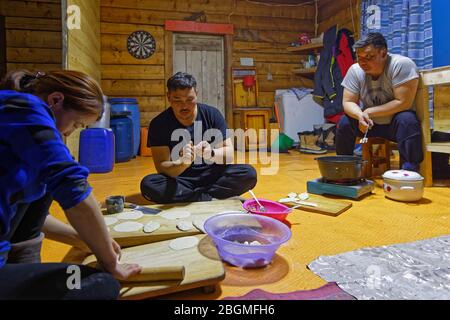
<point x="185" y="225"/>
<point x="130" y="215"/>
<point x="183" y="243"/>
<point x="151" y="226"/>
<point x="129" y="226"/>
<point x="175" y="214"/>
<point x="110" y="220"/>
<point x="200" y="224"/>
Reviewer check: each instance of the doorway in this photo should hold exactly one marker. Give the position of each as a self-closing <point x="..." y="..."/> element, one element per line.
<point x="203" y="57"/>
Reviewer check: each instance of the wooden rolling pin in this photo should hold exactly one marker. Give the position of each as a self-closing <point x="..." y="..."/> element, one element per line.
<point x="158" y="274"/>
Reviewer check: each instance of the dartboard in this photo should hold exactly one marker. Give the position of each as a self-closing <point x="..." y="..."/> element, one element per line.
<point x="141" y="44"/>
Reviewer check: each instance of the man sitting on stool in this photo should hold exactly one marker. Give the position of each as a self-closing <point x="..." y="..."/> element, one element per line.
<point x="386" y="84"/>
<point x="190" y="148"/>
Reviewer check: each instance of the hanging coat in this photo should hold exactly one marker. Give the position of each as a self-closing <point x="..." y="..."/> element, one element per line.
<point x="345" y="56"/>
<point x="328" y="78"/>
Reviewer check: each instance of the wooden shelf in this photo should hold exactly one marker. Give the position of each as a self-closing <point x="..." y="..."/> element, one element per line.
<point x="306" y="47"/>
<point x="309" y="71"/>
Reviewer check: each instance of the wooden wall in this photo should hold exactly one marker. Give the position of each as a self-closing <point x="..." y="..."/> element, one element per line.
<point x="261" y="32"/>
<point x="83" y="46"/>
<point x="83" y="51"/>
<point x="33" y="34"/>
<point x="344" y="13"/>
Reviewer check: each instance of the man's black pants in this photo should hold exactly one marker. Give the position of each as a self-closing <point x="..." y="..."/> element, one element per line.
<point x="214" y="181"/>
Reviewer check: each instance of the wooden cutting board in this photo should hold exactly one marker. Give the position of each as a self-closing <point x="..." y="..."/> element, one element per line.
<point x="168" y="229"/>
<point x="202" y="264"/>
<point x="325" y="206"/>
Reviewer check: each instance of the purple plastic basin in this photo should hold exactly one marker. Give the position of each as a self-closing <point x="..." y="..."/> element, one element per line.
<point x="229" y="231"/>
<point x="273" y="209"/>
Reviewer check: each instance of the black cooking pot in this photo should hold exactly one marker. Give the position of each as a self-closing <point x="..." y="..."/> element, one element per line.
<point x="341" y="168"/>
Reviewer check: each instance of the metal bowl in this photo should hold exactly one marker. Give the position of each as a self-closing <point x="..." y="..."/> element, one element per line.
<point x="341" y="168"/>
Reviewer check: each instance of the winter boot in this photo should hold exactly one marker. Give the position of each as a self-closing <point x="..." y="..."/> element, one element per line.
<point x="308" y="143"/>
<point x="319" y="133"/>
<point x="28" y="251"/>
<point x="329" y="136"/>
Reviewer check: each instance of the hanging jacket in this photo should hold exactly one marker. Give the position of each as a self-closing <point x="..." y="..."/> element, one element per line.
<point x="328" y="78"/>
<point x="345" y="56"/>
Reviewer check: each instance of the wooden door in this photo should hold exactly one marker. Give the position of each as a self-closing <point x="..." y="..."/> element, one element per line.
<point x="255" y="118"/>
<point x="203" y="57"/>
<point x="2" y="47"/>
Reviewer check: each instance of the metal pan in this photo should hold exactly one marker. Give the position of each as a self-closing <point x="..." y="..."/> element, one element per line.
<point x="341" y="168"/>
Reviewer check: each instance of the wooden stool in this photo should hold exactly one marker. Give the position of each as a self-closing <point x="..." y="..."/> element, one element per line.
<point x="374" y="161"/>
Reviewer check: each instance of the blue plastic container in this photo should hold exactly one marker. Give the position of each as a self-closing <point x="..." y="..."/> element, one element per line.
<point x="131" y="105"/>
<point x="97" y="149"/>
<point x="122" y="126"/>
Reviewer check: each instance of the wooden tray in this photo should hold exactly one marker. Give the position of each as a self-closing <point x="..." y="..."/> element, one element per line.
<point x="203" y="267"/>
<point x="168" y="229"/>
<point x="325" y="206"/>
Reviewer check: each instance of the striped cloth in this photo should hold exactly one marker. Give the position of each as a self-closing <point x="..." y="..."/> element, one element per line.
<point x="407" y="27"/>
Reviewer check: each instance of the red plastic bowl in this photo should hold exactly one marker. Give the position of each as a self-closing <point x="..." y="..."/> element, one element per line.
<point x="274" y="209"/>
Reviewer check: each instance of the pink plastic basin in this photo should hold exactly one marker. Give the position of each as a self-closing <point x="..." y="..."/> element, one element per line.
<point x="273" y="209"/>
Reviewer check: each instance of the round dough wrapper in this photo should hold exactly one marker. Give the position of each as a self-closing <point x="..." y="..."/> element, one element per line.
<point x="185" y="225"/>
<point x="130" y="215"/>
<point x="151" y="226"/>
<point x="175" y="214"/>
<point x="303" y="196"/>
<point x="128" y="226"/>
<point x="110" y="220"/>
<point x="200" y="224"/>
<point x="183" y="243"/>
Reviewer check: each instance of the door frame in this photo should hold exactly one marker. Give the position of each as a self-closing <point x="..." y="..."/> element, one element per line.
<point x="225" y="30"/>
<point x="3" y="67"/>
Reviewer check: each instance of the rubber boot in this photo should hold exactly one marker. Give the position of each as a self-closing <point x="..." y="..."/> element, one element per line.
<point x="28" y="251"/>
<point x="308" y="143"/>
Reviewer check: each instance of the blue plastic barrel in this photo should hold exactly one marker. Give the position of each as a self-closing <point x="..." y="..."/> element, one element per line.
<point x="131" y="105"/>
<point x="97" y="149"/>
<point x="122" y="126"/>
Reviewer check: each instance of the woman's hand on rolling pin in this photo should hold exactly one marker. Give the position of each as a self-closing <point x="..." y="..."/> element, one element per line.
<point x="125" y="270"/>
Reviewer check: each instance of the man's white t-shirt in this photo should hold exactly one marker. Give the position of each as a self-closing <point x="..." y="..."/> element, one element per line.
<point x="399" y="69"/>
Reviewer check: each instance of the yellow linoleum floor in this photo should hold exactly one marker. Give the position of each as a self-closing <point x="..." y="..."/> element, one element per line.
<point x="372" y="221"/>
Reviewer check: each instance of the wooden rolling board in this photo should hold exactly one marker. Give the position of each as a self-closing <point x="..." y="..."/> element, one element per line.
<point x="325" y="206"/>
<point x="202" y="264"/>
<point x="168" y="229"/>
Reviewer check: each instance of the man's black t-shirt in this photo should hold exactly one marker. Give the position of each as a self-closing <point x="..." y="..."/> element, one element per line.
<point x="166" y="130"/>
